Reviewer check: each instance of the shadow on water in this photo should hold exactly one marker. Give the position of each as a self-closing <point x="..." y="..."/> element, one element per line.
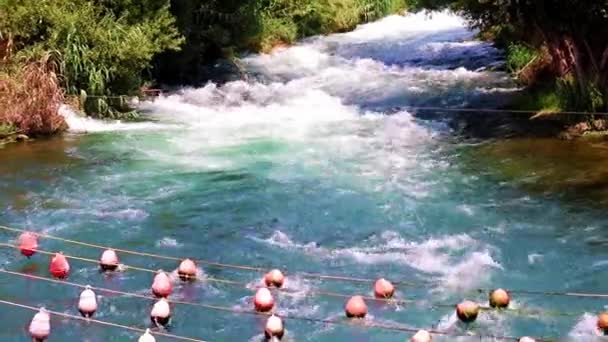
<point x="574" y="170"/>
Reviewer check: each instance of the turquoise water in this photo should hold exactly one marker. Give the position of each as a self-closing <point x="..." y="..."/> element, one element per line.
<point x="310" y="166"/>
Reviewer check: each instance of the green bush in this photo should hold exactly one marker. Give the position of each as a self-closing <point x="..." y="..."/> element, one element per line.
<point x="518" y="56"/>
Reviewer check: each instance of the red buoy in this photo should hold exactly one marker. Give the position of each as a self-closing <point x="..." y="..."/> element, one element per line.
<point x="146" y="337"/>
<point x="274" y="278"/>
<point x="421" y="336"/>
<point x="28" y="243"/>
<point x="263" y="301"/>
<point x="187" y="270"/>
<point x="500" y="299"/>
<point x="59" y="266"/>
<point x="384" y="289"/>
<point x="161" y="286"/>
<point x="602" y="322"/>
<point x="161" y="313"/>
<point x="467" y="311"/>
<point x="274" y="328"/>
<point x="109" y="260"/>
<point x="87" y="305"/>
<point x="356" y="307"/>
<point x="40" y="327"/>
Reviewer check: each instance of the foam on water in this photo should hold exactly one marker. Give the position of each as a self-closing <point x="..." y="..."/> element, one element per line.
<point x="462" y="262"/>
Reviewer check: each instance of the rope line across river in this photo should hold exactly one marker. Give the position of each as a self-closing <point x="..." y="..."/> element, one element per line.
<point x="366" y="325"/>
<point x="261" y="269"/>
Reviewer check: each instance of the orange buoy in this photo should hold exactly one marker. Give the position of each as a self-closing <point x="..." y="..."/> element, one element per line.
<point x="187" y="270"/>
<point x="500" y="298"/>
<point x="161" y="286"/>
<point x="274" y="328"/>
<point x="87" y="305"/>
<point x="527" y="339"/>
<point x="384" y="289"/>
<point x="109" y="260"/>
<point x="161" y="313"/>
<point x="602" y="322"/>
<point x="28" y="243"/>
<point x="274" y="278"/>
<point x="59" y="266"/>
<point x="263" y="301"/>
<point x="146" y="337"/>
<point x="421" y="336"/>
<point x="356" y="307"/>
<point x="467" y="311"/>
<point x="40" y="327"/>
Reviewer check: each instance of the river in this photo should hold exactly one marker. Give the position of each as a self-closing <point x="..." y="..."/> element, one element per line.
<point x="313" y="164"/>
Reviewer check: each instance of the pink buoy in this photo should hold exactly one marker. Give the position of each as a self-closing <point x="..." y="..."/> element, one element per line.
<point x="421" y="336"/>
<point x="28" y="243"/>
<point x="161" y="313"/>
<point x="187" y="270"/>
<point x="109" y="260"/>
<point x="146" y="337"/>
<point x="355" y="307"/>
<point x="467" y="311"/>
<point x="384" y="289"/>
<point x="274" y="328"/>
<point x="263" y="301"/>
<point x="40" y="327"/>
<point x="161" y="286"/>
<point x="274" y="278"/>
<point x="87" y="305"/>
<point x="59" y="266"/>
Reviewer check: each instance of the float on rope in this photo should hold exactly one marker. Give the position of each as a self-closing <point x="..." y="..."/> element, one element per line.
<point x="161" y="286"/>
<point x="187" y="270"/>
<point x="40" y="327"/>
<point x="421" y="336"/>
<point x="87" y="304"/>
<point x="28" y="243"/>
<point x="602" y="322"/>
<point x="109" y="260"/>
<point x="263" y="300"/>
<point x="527" y="339"/>
<point x="355" y="307"/>
<point x="500" y="299"/>
<point x="274" y="328"/>
<point x="274" y="278"/>
<point x="384" y="289"/>
<point x="59" y="266"/>
<point x="467" y="311"/>
<point x="161" y="313"/>
<point x="146" y="337"/>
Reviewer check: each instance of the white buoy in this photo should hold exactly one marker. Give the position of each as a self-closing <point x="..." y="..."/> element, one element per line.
<point x="147" y="337"/>
<point x="421" y="336"/>
<point x="40" y="327"/>
<point x="109" y="260"/>
<point x="87" y="305"/>
<point x="274" y="328"/>
<point x="527" y="339"/>
<point x="161" y="313"/>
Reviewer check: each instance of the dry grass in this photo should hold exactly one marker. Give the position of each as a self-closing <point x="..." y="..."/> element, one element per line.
<point x="30" y="99"/>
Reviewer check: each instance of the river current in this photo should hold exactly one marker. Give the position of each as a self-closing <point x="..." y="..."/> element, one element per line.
<point x="313" y="163"/>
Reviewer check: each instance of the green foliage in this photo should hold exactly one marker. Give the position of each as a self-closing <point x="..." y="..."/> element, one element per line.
<point x="217" y="28"/>
<point x="103" y="46"/>
<point x="7" y="129"/>
<point x="518" y="56"/>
